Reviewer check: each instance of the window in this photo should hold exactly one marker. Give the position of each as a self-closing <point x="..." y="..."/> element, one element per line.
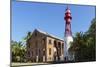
<point x="49" y="51"/>
<point x="62" y="46"/>
<point x="59" y="45"/>
<point x="43" y="40"/>
<point x="49" y="41"/>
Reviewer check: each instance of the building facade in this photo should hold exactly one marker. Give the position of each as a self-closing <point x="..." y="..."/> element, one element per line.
<point x="44" y="47"/>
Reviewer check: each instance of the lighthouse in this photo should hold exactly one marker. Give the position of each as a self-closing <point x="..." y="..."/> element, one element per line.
<point x="68" y="56"/>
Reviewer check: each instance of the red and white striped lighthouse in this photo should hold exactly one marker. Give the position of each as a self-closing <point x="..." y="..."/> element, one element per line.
<point x="67" y="35"/>
<point x="68" y="19"/>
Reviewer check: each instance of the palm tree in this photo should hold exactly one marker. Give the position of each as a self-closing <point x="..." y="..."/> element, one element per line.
<point x="18" y="51"/>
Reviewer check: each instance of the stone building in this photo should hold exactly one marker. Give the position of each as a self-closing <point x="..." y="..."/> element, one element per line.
<point x="44" y="47"/>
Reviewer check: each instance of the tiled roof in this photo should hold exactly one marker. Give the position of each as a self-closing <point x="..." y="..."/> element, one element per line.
<point x="48" y="34"/>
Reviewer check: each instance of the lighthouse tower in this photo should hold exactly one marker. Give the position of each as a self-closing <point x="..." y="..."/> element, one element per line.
<point x="67" y="36"/>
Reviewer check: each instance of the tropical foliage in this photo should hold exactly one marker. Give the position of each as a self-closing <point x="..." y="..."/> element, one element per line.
<point x="84" y="44"/>
<point x="18" y="51"/>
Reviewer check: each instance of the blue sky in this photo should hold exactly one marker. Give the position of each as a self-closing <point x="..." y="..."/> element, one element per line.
<point x="26" y="16"/>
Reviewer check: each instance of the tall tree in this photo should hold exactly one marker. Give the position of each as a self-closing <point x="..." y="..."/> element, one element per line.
<point x="84" y="44"/>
